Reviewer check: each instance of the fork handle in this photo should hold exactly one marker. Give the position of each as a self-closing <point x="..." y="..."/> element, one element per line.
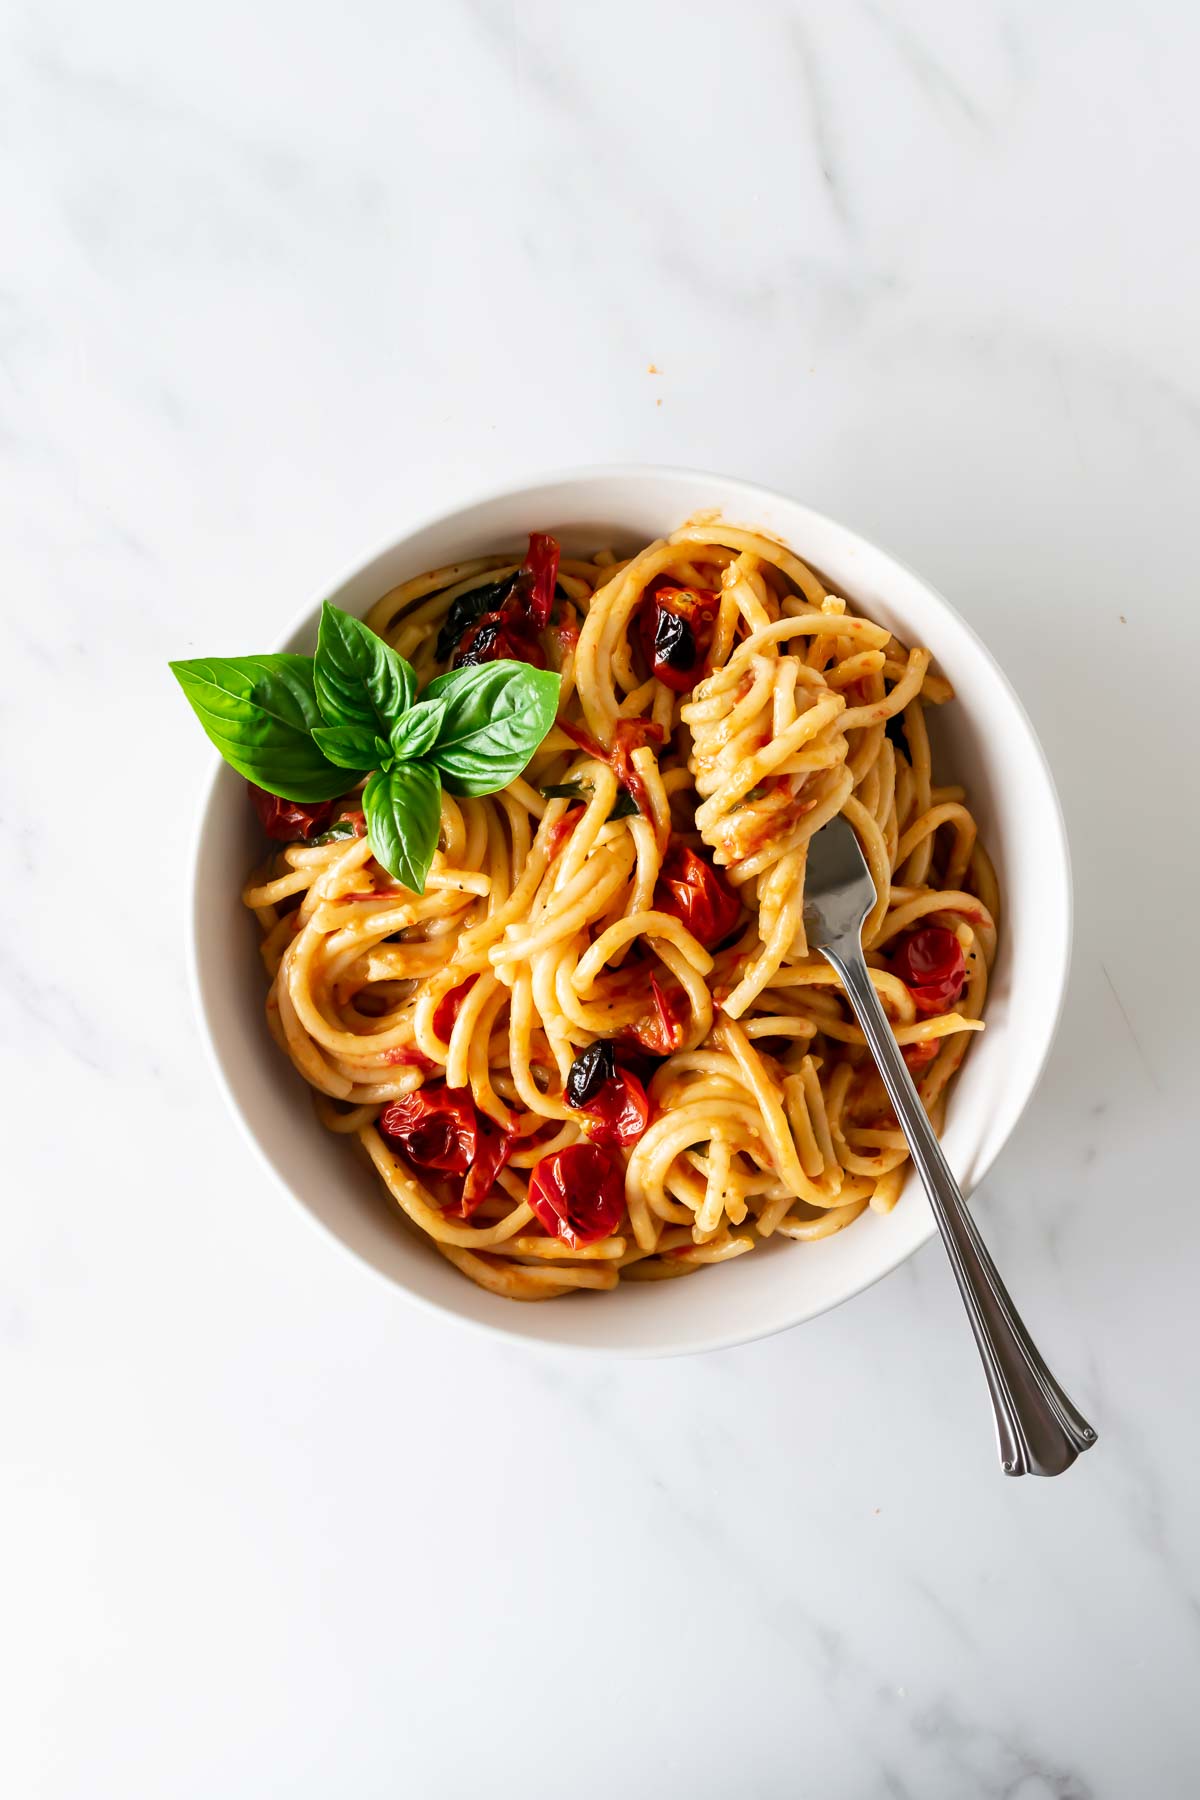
<point x="1038" y="1430"/>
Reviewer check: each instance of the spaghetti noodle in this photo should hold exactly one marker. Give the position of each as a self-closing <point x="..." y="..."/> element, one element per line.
<point x="602" y="1009"/>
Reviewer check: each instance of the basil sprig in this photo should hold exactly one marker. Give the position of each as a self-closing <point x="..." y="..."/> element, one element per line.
<point x="307" y="727"/>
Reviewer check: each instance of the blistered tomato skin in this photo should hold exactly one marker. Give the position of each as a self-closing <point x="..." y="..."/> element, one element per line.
<point x="510" y="631"/>
<point x="493" y="1148"/>
<point x="447" y="1009"/>
<point x="931" y="965"/>
<point x="501" y="636"/>
<point x="288" y="820"/>
<point x="677" y="626"/>
<point x="662" y="1029"/>
<point x="577" y="1194"/>
<point x="433" y="1127"/>
<point x="438" y="1129"/>
<point x="541" y="568"/>
<point x="691" y="891"/>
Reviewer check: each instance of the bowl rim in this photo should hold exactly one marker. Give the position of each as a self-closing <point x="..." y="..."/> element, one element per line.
<point x="694" y="1343"/>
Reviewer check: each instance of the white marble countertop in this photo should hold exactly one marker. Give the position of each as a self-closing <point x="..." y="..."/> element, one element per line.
<point x="279" y="279"/>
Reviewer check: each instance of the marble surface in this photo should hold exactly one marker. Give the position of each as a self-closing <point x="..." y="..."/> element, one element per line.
<point x="277" y="280"/>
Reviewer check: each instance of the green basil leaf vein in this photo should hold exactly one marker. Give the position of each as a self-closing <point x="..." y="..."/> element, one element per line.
<point x="351" y="746"/>
<point x="496" y="715"/>
<point x="259" y="712"/>
<point x="360" y="680"/>
<point x="403" y="808"/>
<point x="414" y="735"/>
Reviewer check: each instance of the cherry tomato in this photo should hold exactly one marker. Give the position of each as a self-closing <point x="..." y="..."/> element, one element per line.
<point x="493" y="1148"/>
<point x="577" y="1194"/>
<point x="447" y="1009"/>
<point x="691" y="890"/>
<point x="930" y="963"/>
<point x="287" y="820"/>
<point x="437" y="1128"/>
<point x="661" y="1030"/>
<point x="539" y="576"/>
<point x="510" y="631"/>
<point x="612" y="1099"/>
<point x="558" y="834"/>
<point x="677" y="626"/>
<point x="407" y="1056"/>
<point x="919" y="1056"/>
<point x="434" y="1127"/>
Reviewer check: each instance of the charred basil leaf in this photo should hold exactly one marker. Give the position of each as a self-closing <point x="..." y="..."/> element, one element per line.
<point x="470" y="607"/>
<point x="589" y="1072"/>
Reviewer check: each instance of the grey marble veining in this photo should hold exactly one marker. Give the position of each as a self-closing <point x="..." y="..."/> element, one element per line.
<point x="276" y="280"/>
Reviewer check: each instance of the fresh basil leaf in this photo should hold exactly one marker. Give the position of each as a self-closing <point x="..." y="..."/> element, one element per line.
<point x="414" y="734"/>
<point x="341" y="828"/>
<point x="468" y="608"/>
<point x="496" y="715"/>
<point x="360" y="680"/>
<point x="404" y="811"/>
<point x="259" y="711"/>
<point x="351" y="746"/>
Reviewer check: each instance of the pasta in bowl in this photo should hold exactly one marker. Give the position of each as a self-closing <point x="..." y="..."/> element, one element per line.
<point x="592" y="1052"/>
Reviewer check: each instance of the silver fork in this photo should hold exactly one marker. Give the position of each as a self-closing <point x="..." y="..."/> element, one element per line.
<point x="1038" y="1430"/>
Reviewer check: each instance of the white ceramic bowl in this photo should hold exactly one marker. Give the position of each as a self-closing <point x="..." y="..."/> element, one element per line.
<point x="984" y="740"/>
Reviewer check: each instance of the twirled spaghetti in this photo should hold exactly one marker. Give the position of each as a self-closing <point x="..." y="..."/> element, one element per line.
<point x="547" y="923"/>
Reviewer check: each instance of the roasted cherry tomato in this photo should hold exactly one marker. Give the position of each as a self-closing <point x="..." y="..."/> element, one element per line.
<point x="437" y="1128"/>
<point x="447" y="1009"/>
<point x="677" y="626"/>
<point x="919" y="1056"/>
<point x="506" y="634"/>
<point x="434" y="1127"/>
<point x="493" y="1148"/>
<point x="288" y="820"/>
<point x="539" y="575"/>
<point x="691" y="890"/>
<point x="611" y="1099"/>
<point x="558" y="834"/>
<point x="577" y="1194"/>
<point x="661" y="1030"/>
<point x="510" y="630"/>
<point x="930" y="963"/>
